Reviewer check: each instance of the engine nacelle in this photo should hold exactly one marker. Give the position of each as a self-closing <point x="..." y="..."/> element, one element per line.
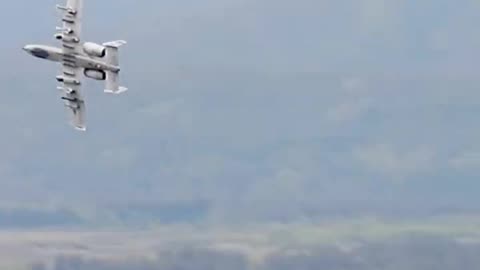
<point x="95" y="74"/>
<point x="93" y="49"/>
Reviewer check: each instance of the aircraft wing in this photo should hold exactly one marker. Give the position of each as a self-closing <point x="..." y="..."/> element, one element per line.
<point x="70" y="33"/>
<point x="74" y="102"/>
<point x="71" y="29"/>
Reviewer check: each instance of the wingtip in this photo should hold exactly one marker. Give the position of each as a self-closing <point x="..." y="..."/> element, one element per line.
<point x="115" y="44"/>
<point x="120" y="90"/>
<point x="83" y="129"/>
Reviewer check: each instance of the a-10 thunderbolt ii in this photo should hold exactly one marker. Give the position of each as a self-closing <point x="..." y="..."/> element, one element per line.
<point x="95" y="61"/>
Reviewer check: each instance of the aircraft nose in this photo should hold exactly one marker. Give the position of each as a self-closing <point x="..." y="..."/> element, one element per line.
<point x="27" y="48"/>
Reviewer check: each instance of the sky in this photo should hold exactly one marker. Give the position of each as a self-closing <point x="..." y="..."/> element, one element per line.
<point x="262" y="107"/>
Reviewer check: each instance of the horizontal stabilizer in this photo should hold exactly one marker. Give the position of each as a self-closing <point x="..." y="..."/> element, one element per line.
<point x="112" y="85"/>
<point x="115" y="44"/>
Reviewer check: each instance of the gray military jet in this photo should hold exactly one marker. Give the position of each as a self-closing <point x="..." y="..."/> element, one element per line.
<point x="98" y="62"/>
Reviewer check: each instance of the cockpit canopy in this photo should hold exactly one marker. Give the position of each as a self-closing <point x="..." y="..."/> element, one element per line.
<point x="39" y="53"/>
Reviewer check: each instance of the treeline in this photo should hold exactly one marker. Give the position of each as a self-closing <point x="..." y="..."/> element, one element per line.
<point x="26" y="218"/>
<point x="138" y="215"/>
<point x="412" y="253"/>
<point x="128" y="215"/>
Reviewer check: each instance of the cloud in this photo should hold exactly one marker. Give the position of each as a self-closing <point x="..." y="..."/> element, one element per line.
<point x="117" y="158"/>
<point x="388" y="160"/>
<point x="164" y="108"/>
<point x="380" y="15"/>
<point x="354" y="102"/>
<point x="465" y="161"/>
<point x="348" y="110"/>
<point x="194" y="127"/>
<point x="354" y="84"/>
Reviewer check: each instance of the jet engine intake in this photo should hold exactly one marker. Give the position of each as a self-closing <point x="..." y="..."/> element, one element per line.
<point x="95" y="74"/>
<point x="94" y="49"/>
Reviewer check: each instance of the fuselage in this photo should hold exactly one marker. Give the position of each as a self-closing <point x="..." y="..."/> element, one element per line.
<point x="80" y="60"/>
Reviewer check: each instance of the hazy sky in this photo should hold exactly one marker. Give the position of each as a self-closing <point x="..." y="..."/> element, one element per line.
<point x="252" y="102"/>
